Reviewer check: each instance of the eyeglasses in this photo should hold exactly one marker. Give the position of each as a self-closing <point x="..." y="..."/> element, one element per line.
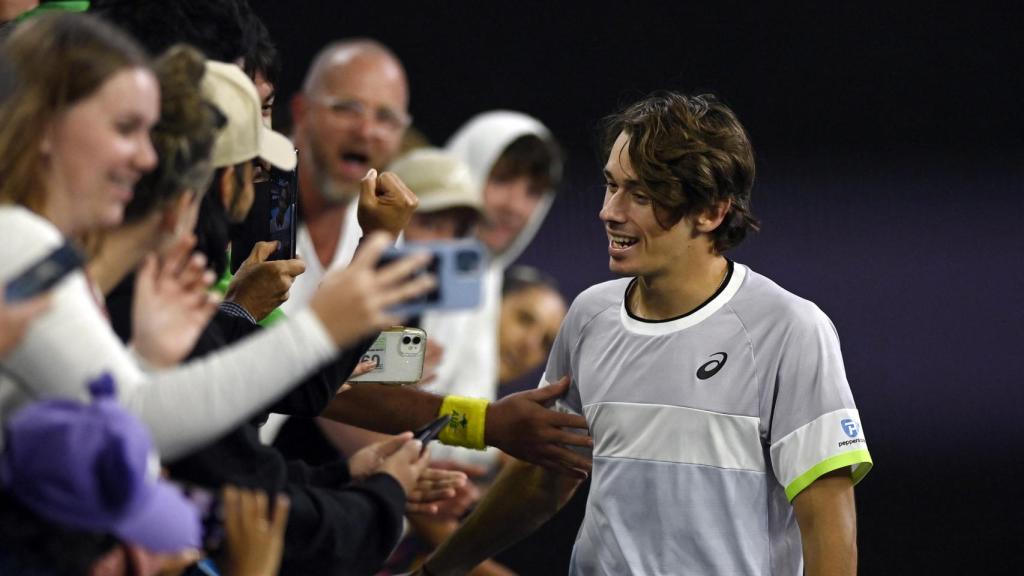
<point x="389" y="122"/>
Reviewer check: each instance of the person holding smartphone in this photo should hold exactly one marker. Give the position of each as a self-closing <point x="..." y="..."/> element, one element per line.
<point x="514" y="168"/>
<point x="70" y="165"/>
<point x="349" y="120"/>
<point x="344" y="518"/>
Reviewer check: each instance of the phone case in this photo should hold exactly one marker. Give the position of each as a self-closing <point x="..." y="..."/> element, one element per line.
<point x="399" y="354"/>
<point x="284" y="208"/>
<point x="273" y="217"/>
<point x="458" y="266"/>
<point x="43" y="274"/>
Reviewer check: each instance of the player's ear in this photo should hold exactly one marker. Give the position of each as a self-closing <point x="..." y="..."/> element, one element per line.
<point x="711" y="218"/>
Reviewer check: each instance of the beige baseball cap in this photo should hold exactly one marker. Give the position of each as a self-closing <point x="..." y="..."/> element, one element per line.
<point x="244" y="137"/>
<point x="438" y="179"/>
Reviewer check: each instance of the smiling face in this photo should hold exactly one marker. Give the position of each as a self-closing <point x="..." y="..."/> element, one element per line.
<point x="508" y="206"/>
<point x="98" y="149"/>
<point x="637" y="244"/>
<point x="530" y="319"/>
<point x="353" y="120"/>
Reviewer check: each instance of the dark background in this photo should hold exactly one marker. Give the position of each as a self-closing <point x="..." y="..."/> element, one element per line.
<point x="890" y="144"/>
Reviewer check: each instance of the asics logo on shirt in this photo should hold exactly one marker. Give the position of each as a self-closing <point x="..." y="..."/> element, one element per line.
<point x="711" y="367"/>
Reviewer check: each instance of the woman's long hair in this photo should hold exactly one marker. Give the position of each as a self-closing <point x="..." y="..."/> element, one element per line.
<point x="58" y="59"/>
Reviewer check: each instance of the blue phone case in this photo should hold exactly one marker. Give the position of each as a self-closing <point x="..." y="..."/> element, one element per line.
<point x="458" y="267"/>
<point x="43" y="275"/>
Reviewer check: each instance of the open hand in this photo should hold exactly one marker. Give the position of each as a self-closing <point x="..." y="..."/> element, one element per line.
<point x="464" y="494"/>
<point x="171" y="306"/>
<point x="439" y="485"/>
<point x="368" y="459"/>
<point x="522" y="425"/>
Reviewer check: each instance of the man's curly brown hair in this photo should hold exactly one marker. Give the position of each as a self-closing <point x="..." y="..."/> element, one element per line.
<point x="690" y="153"/>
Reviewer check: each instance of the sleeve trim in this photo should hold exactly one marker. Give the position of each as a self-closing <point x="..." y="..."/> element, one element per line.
<point x="859" y="460"/>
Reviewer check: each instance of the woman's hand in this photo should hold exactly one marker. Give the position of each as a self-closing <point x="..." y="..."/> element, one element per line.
<point x="172" y="304"/>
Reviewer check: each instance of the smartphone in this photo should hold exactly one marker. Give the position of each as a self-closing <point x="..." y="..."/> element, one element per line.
<point x="274" y="216"/>
<point x="458" y="266"/>
<point x="284" y="205"/>
<point x="211" y="515"/>
<point x="431" y="431"/>
<point x="43" y="274"/>
<point x="399" y="353"/>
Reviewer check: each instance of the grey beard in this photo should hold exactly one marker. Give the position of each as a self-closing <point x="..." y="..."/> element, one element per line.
<point x="333" y="193"/>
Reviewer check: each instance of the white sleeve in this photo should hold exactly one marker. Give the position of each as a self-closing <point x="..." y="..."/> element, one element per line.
<point x="560" y="363"/>
<point x="815" y="425"/>
<point x="199" y="401"/>
<point x="186" y="407"/>
<point x="65" y="348"/>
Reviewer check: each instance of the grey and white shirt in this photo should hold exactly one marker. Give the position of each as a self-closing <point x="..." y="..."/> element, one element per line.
<point x="705" y="427"/>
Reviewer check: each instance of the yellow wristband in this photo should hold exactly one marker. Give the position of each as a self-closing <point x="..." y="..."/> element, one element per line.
<point x="466" y="428"/>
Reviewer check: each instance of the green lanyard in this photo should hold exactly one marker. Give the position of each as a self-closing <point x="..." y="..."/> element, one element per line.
<point x="63" y="5"/>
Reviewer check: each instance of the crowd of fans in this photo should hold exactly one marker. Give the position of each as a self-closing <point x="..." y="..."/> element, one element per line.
<point x="163" y="415"/>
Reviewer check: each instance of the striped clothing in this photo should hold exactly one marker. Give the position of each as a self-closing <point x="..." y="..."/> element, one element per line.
<point x="705" y="427"/>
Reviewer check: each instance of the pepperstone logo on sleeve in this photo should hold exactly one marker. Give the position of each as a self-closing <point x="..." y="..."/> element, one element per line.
<point x="850" y="428"/>
<point x="711" y="367"/>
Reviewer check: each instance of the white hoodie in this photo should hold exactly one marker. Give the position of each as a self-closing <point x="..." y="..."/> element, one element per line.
<point x="470" y="363"/>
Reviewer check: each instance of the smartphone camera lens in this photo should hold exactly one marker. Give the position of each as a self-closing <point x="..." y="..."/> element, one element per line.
<point x="406" y="340"/>
<point x="416" y="340"/>
<point x="467" y="261"/>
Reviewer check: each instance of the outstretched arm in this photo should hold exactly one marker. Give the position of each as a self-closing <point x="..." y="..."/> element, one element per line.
<point x="383" y="408"/>
<point x="521" y="500"/>
<point x="519" y="424"/>
<point x="828" y="525"/>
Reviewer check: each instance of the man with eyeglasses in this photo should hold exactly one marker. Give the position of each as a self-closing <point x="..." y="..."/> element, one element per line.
<point x="349" y="118"/>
